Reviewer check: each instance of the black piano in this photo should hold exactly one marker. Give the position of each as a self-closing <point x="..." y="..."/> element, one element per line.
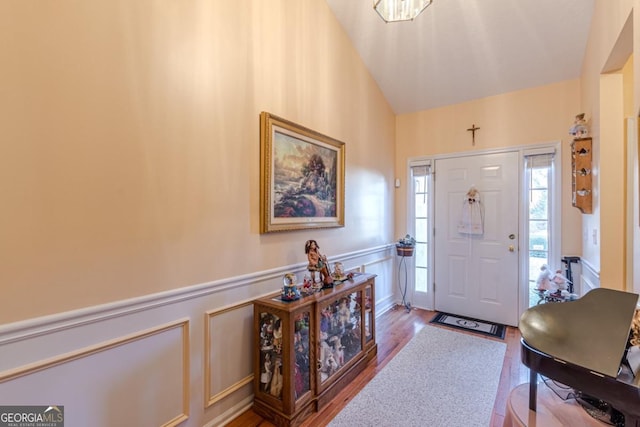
<point x="582" y="344"/>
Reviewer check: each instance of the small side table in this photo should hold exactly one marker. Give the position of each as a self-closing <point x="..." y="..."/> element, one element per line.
<point x="403" y="253"/>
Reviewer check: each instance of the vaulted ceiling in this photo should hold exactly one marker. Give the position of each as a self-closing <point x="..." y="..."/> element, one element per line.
<point x="460" y="50"/>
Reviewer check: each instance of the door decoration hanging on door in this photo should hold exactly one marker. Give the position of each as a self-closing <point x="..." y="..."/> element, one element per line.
<point x="471" y="215"/>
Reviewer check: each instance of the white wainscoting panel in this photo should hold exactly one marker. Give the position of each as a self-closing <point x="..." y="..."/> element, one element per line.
<point x="383" y="269"/>
<point x="222" y="329"/>
<point x="178" y="357"/>
<point x="143" y="378"/>
<point x="589" y="277"/>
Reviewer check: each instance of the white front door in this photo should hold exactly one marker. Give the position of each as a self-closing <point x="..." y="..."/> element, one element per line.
<point x="476" y="275"/>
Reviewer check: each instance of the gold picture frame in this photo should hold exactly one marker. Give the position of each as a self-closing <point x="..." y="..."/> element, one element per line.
<point x="301" y="177"/>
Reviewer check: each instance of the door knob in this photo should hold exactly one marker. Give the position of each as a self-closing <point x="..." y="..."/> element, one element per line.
<point x="512" y="248"/>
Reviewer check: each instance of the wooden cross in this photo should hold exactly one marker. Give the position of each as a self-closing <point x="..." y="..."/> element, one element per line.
<point x="473" y="130"/>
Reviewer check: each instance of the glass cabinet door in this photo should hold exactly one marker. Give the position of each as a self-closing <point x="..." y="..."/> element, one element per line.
<point x="271" y="354"/>
<point x="301" y="371"/>
<point x="368" y="314"/>
<point x="339" y="338"/>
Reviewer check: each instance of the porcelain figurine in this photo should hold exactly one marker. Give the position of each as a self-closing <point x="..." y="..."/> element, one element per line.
<point x="317" y="263"/>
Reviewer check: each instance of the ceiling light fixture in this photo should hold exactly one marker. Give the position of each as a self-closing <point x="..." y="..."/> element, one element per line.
<point x="400" y="10"/>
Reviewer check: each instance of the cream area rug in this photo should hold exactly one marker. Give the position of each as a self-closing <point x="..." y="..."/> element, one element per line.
<point x="440" y="378"/>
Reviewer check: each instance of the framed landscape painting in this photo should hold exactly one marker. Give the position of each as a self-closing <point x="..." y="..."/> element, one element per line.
<point x="301" y="177"/>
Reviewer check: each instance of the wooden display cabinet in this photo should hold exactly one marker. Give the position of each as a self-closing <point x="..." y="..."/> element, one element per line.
<point x="581" y="178"/>
<point x="282" y="368"/>
<point x="307" y="350"/>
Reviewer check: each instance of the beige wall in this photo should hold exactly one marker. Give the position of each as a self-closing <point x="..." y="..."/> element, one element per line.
<point x="130" y="150"/>
<point x="609" y="95"/>
<point x="531" y="116"/>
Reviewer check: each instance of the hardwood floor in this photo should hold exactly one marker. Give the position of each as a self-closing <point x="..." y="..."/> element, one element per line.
<point x="394" y="329"/>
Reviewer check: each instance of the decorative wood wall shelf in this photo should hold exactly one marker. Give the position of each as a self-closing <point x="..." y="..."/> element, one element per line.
<point x="581" y="180"/>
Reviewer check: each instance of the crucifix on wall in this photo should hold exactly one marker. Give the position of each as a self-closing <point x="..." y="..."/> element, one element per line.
<point x="473" y="130"/>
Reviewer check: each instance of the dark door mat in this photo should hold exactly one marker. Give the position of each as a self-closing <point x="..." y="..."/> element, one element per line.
<point x="481" y="327"/>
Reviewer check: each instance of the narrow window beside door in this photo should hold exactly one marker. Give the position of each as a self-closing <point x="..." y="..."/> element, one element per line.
<point x="420" y="226"/>
<point x="538" y="178"/>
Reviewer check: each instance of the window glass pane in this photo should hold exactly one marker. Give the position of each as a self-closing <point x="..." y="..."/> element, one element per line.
<point x="421" y="279"/>
<point x="538" y="204"/>
<point x="421" y="205"/>
<point x="540" y="178"/>
<point x="421" y="230"/>
<point x="421" y="255"/>
<point x="538" y="238"/>
<point x="534" y="267"/>
<point x="420" y="185"/>
<point x="537" y="228"/>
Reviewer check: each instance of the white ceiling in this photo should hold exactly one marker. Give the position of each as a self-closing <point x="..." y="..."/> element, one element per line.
<point x="460" y="50"/>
